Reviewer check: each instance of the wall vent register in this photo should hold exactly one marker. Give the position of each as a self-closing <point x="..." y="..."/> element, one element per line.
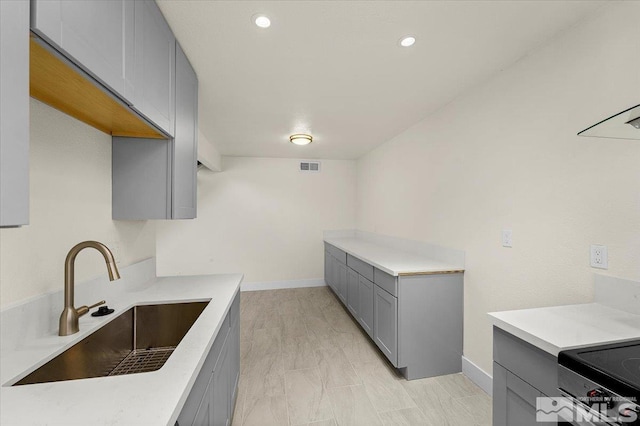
<point x="310" y="166"/>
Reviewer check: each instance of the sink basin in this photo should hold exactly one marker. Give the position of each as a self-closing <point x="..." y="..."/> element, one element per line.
<point x="137" y="341"/>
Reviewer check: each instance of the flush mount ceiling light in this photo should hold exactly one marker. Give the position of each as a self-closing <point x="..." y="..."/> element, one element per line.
<point x="301" y="139"/>
<point x="261" y="21"/>
<point x="407" y="41"/>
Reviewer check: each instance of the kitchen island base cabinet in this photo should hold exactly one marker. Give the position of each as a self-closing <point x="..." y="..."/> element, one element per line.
<point x="212" y="398"/>
<point x="521" y="374"/>
<point x="415" y="320"/>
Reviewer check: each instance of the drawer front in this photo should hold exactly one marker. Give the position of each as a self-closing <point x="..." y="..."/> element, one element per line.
<point x="386" y="281"/>
<point x="363" y="268"/>
<point x="337" y="253"/>
<point x="531" y="364"/>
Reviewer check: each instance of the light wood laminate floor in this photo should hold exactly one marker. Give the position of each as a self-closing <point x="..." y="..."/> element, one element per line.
<point x="306" y="361"/>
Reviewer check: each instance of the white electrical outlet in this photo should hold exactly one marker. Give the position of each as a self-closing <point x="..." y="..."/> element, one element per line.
<point x="507" y="238"/>
<point x="599" y="257"/>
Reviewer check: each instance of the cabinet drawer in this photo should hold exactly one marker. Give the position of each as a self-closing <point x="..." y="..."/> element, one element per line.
<point x="337" y="253"/>
<point x="386" y="281"/>
<point x="535" y="366"/>
<point x="363" y="268"/>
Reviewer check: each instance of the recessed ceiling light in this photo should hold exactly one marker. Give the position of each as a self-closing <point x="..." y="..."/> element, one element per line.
<point x="407" y="41"/>
<point x="262" y="21"/>
<point x="301" y="139"/>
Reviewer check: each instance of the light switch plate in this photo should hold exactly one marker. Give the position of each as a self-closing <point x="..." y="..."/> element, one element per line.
<point x="507" y="238"/>
<point x="599" y="256"/>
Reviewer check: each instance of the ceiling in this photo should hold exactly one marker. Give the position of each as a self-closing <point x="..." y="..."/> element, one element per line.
<point x="334" y="68"/>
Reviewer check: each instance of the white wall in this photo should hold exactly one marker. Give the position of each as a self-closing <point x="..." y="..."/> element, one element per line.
<point x="70" y="173"/>
<point x="507" y="156"/>
<point x="262" y="217"/>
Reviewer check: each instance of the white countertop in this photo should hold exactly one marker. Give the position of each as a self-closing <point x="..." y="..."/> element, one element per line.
<point x="559" y="328"/>
<point x="153" y="398"/>
<point x="390" y="260"/>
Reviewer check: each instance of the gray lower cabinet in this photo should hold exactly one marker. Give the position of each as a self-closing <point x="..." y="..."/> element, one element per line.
<point x="341" y="270"/>
<point x="366" y="295"/>
<point x="521" y="374"/>
<point x="385" y="323"/>
<point x="212" y="398"/>
<point x="155" y="178"/>
<point x="96" y="35"/>
<point x="221" y="395"/>
<point x="336" y="272"/>
<point x="415" y="320"/>
<point x="14" y="113"/>
<point x="154" y="82"/>
<point x="352" y="292"/>
<point x="204" y="415"/>
<point x="515" y="400"/>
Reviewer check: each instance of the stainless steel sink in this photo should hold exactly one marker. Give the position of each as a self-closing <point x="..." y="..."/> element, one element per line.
<point x="138" y="340"/>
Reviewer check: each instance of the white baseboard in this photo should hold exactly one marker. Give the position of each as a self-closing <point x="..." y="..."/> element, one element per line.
<point x="272" y="285"/>
<point x="477" y="375"/>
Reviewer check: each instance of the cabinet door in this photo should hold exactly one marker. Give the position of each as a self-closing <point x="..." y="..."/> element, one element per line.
<point x="154" y="82"/>
<point x="365" y="304"/>
<point x="334" y="274"/>
<point x="342" y="282"/>
<point x="141" y="179"/>
<point x="97" y="35"/>
<point x="385" y="328"/>
<point x="220" y="398"/>
<point x="514" y="400"/>
<point x="204" y="415"/>
<point x="234" y="361"/>
<point x="352" y="292"/>
<point x="327" y="268"/>
<point x="185" y="140"/>
<point x="14" y="113"/>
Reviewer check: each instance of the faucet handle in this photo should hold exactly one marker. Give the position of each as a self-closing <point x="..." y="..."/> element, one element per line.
<point x="84" y="309"/>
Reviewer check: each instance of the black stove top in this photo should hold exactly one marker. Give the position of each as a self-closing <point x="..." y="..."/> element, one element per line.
<point x="615" y="366"/>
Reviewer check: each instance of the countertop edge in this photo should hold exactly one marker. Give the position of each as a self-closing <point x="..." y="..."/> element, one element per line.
<point x="395" y="273"/>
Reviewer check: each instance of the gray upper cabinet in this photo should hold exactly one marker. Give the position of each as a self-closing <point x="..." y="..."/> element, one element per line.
<point x="97" y="35"/>
<point x="156" y="179"/>
<point x="185" y="141"/>
<point x="385" y="327"/>
<point x="141" y="179"/>
<point x="154" y="82"/>
<point x="14" y="113"/>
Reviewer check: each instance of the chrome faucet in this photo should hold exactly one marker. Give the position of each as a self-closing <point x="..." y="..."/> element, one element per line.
<point x="70" y="315"/>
